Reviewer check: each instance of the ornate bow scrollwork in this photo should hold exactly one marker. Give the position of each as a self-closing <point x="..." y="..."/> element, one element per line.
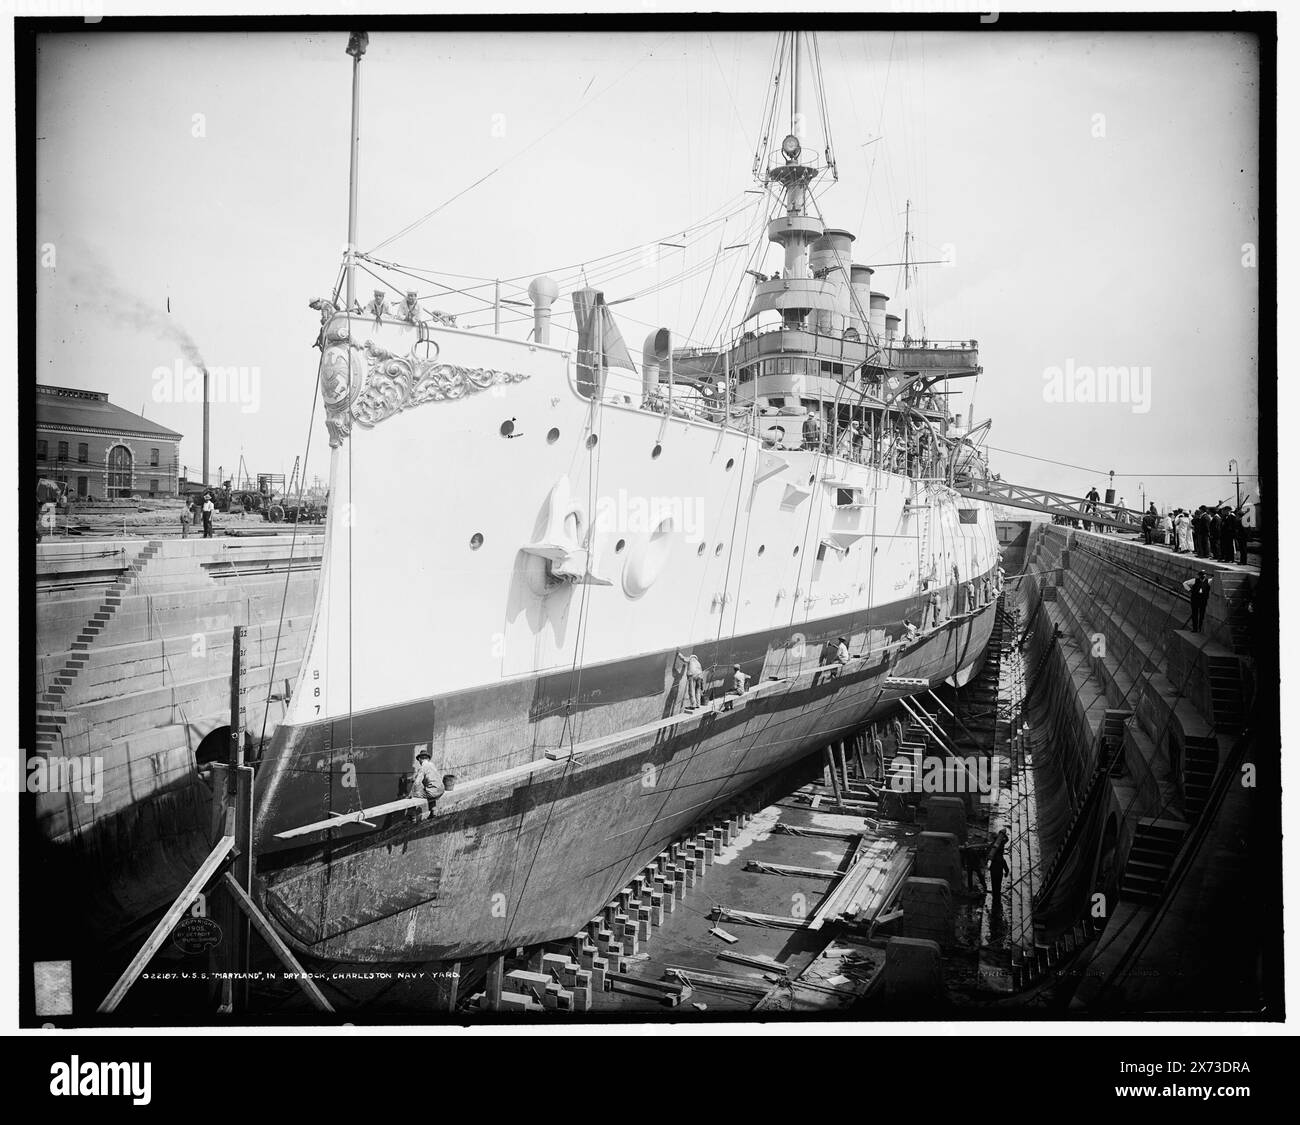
<point x="366" y="384"/>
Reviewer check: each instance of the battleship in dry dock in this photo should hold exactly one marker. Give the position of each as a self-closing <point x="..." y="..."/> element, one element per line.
<point x="640" y="594"/>
<point x="792" y="518"/>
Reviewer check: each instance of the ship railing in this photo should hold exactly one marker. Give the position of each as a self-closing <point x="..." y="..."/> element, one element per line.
<point x="684" y="400"/>
<point x="696" y="352"/>
<point x="893" y="343"/>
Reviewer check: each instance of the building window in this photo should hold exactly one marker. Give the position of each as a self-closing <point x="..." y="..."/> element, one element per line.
<point x="63" y="451"/>
<point x="83" y="452"/>
<point x="153" y="457"/>
<point x="42" y="450"/>
<point x="119" y="471"/>
<point x="153" y="487"/>
<point x="83" y="486"/>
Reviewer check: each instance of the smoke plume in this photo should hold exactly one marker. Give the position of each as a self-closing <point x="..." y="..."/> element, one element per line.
<point x="95" y="285"/>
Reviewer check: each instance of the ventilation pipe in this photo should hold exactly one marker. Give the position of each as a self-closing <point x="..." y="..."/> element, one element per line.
<point x="542" y="292"/>
<point x="655" y="354"/>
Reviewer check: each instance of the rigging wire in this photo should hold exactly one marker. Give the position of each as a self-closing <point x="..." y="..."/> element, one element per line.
<point x="1104" y="472"/>
<point x="293" y="543"/>
<point x="722" y="213"/>
<point x="617" y="264"/>
<point x="597" y="357"/>
<point x="515" y="156"/>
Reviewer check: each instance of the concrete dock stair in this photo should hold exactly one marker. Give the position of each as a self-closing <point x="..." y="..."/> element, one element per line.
<point x="1226" y="693"/>
<point x="51" y="716"/>
<point x="1235" y="587"/>
<point x="49" y="730"/>
<point x="98" y="622"/>
<point x="1031" y="964"/>
<point x="1156" y="843"/>
<point x="1200" y="766"/>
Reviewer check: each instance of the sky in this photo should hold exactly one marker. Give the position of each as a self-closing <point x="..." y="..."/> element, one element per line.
<point x="1091" y="198"/>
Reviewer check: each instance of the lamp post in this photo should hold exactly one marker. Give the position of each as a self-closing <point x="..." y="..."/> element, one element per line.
<point x="1235" y="468"/>
<point x="1142" y="488"/>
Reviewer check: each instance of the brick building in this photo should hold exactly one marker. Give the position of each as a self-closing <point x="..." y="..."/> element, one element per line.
<point x="101" y="450"/>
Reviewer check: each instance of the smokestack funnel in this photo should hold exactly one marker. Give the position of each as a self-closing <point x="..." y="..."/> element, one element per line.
<point x="542" y="292"/>
<point x="860" y="303"/>
<point x="876" y="315"/>
<point x="831" y="255"/>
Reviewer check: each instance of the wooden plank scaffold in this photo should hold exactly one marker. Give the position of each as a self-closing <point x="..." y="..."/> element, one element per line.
<point x="230" y="862"/>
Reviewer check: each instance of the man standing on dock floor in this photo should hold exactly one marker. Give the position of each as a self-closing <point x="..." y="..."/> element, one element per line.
<point x="1199" y="589"/>
<point x="998" y="866"/>
<point x="208" y="508"/>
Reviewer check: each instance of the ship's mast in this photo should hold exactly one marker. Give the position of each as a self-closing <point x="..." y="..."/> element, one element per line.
<point x="794" y="172"/>
<point x="796" y="105"/>
<point x="796" y="187"/>
<point x="357" y="44"/>
<point x="789" y="173"/>
<point x="907" y="269"/>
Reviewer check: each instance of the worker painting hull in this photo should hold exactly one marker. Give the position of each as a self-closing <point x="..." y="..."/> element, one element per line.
<point x="523" y="605"/>
<point x="531" y="853"/>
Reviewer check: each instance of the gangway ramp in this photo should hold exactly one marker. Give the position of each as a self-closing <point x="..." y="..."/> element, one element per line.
<point x="1049" y="503"/>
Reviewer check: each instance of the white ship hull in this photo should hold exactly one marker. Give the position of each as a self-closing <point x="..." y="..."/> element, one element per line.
<point x="437" y="625"/>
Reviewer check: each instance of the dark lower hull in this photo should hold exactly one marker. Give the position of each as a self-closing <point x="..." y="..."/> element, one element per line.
<point x="531" y="853"/>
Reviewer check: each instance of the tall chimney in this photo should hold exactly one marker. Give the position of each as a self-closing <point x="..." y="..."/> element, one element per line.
<point x="542" y="292"/>
<point x="206" y="427"/>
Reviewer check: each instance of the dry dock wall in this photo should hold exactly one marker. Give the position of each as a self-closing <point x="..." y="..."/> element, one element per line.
<point x="133" y="650"/>
<point x="1131" y="714"/>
